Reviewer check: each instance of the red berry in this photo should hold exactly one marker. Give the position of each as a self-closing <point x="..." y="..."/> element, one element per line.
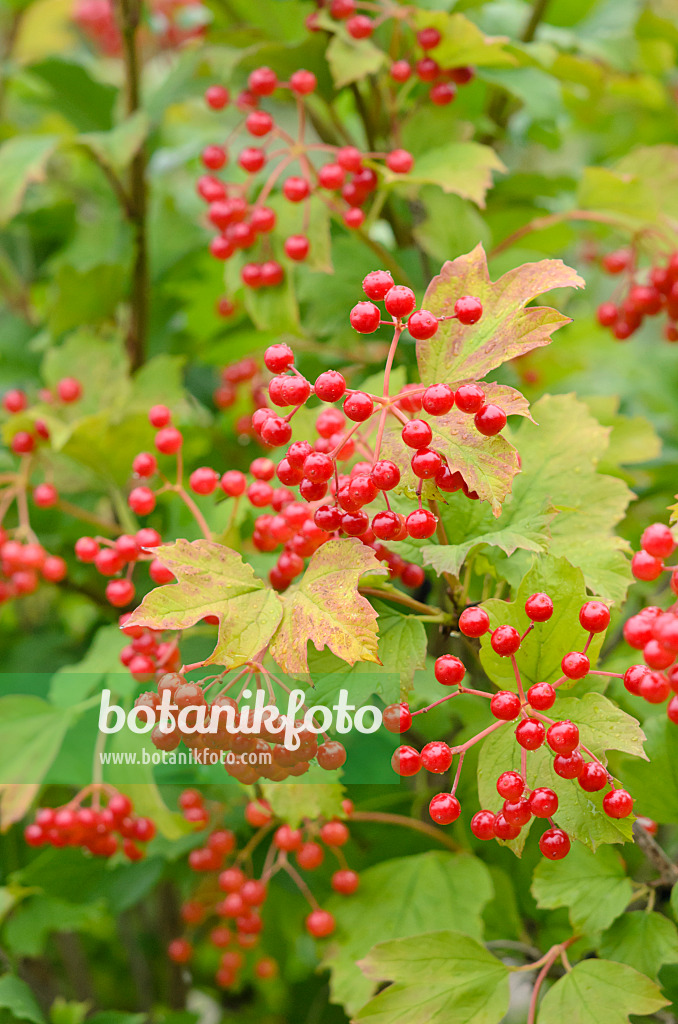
<point x="397" y="718"/>
<point x="436" y="757"/>
<point x="563" y="737"/>
<point x="180" y="951"/>
<point x="539" y="607"/>
<point x="657" y="540"/>
<point x="303" y="82"/>
<point x="233" y="483"/>
<point x="425" y="463"/>
<point x="334" y="833"/>
<point x="345" y="881"/>
<point x="141" y="500"/>
<point x="617" y="803"/>
<point x="168" y="440"/>
<point x="365" y="317"/>
<point x="428" y="38"/>
<point x="505" y="705"/>
<point x="438" y="399"/>
<point x="489" y="420"/>
<point x="555" y="844"/>
<point x="504" y="830"/>
<point x="16" y="401"/>
<point x="217" y="97"/>
<point x="593" y="777"/>
<point x="469" y="398"/>
<point x="203" y="480"/>
<point x="427" y="69"/>
<point x="213" y="157"/>
<point x="517" y="812"/>
<point x="320" y="924"/>
<point x="505" y="641"/>
<point x="421" y="524"/>
<point x="286" y="838"/>
<point x="468" y="310"/>
<point x="541" y="696"/>
<point x="530" y="734"/>
<point x="399" y="300"/>
<point x="594" y="617"/>
<point x="377" y="284"/>
<point x="22" y="443"/>
<point x="45" y="495"/>
<point x="359" y="407"/>
<point x="262" y="81"/>
<point x="474" y="622"/>
<point x="387" y="525"/>
<point x="330" y="386"/>
<point x="568" y="766"/>
<point x="482" y="825"/>
<point x="349" y="158"/>
<point x="575" y="665"/>
<point x="278" y="357"/>
<point x="69" y="389"/>
<point x="510" y="785"/>
<point x="385" y="475"/>
<point x="449" y="670"/>
<point x="400" y="71"/>
<point x="444" y="808"/>
<point x="616" y="262"/>
<point x="417" y="434"/>
<point x="296" y="189"/>
<point x="645" y="567"/>
<point x="119" y="592"/>
<point x="442" y="93"/>
<point x="607" y="314"/>
<point x="296" y="247"/>
<point x="360" y="26"/>
<point x="406" y="761"/>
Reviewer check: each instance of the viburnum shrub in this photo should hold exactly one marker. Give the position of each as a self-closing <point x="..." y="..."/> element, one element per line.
<point x="282" y="430"/>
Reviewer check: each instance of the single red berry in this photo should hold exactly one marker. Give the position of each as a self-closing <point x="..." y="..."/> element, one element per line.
<point x="539" y="607"/>
<point x="334" y="833"/>
<point x="568" y="766"/>
<point x="417" y="434"/>
<point x="141" y="500"/>
<point x="517" y="812"/>
<point x="428" y="38"/>
<point x="262" y="81"/>
<point x="563" y="737"/>
<point x="575" y="665"/>
<point x="530" y="734"/>
<point x="482" y="825"/>
<point x="412" y="575"/>
<point x="541" y="696"/>
<point x="607" y="314"/>
<point x="438" y="399"/>
<point x="449" y="670"/>
<point x="387" y="525"/>
<point x="593" y="777"/>
<point x="278" y="358"/>
<point x="442" y="93"/>
<point x="505" y="641"/>
<point x="16" y="401"/>
<point x="303" y="82"/>
<point x="510" y="785"/>
<point x="397" y="717"/>
<point x="444" y="808"/>
<point x="421" y="524"/>
<point x="168" y="440"/>
<point x="504" y="830"/>
<point x="180" y="951"/>
<point x="203" y="480"/>
<point x="505" y="705"/>
<point x="645" y="566"/>
<point x="617" y="803"/>
<point x="365" y="317"/>
<point x="320" y="924"/>
<point x="318" y="467"/>
<point x="616" y="262"/>
<point x="286" y="838"/>
<point x="658" y="541"/>
<point x="555" y="844"/>
<point x="385" y="475"/>
<point x="213" y="157"/>
<point x="469" y="398"/>
<point x="296" y="189"/>
<point x="399" y="300"/>
<point x="400" y="71"/>
<point x="425" y="463"/>
<point x="360" y="26"/>
<point x="436" y="757"/>
<point x="45" y="495"/>
<point x="358" y="407"/>
<point x="233" y="483"/>
<point x="377" y="284"/>
<point x="330" y="386"/>
<point x="427" y="69"/>
<point x="69" y="389"/>
<point x="22" y="443"/>
<point x="594" y="617"/>
<point x="490" y="420"/>
<point x="672" y="710"/>
<point x="406" y="761"/>
<point x="217" y="97"/>
<point x="345" y="881"/>
<point x="474" y="621"/>
<point x="468" y="310"/>
<point x="119" y="592"/>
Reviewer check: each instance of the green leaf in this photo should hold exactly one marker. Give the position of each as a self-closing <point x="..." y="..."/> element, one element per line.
<point x="30" y="926"/>
<point x="462" y="168"/>
<point x="101" y="365"/>
<point x="442" y="977"/>
<point x="400" y="898"/>
<point x="598" y="990"/>
<point x="16" y="996"/>
<point x="117" y="147"/>
<point x="31" y="734"/>
<point x="569" y="444"/>
<point x="325" y="608"/>
<point x="463" y="42"/>
<point x="506" y="329"/>
<point x="98" y="669"/>
<point x="657" y="801"/>
<point x="85" y="102"/>
<point x="23" y="161"/>
<point x="641" y="940"/>
<point x="542" y="651"/>
<point x="592" y="886"/>
<point x="85" y="296"/>
<point x="296" y="801"/>
<point x="351" y="60"/>
<point x="213" y="580"/>
<point x="639" y="191"/>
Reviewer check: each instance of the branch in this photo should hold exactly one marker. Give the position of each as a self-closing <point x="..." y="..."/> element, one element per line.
<point x="384" y="818"/>
<point x="538" y="12"/>
<point x="398" y="597"/>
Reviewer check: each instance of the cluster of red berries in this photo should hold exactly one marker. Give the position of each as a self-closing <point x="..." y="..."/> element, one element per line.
<point x="23" y="565"/>
<point x="15" y="401"/>
<point x="238" y="210"/>
<point x="256" y="755"/>
<point x="231" y="921"/>
<point x="411" y="57"/>
<point x="110" y="558"/>
<point x="100" y="830"/>
<point x="658" y="295"/>
<point x="571" y="760"/>
<point x="171" y="23"/>
<point x="236" y="378"/>
<point x="148" y="655"/>
<point x="655" y="631"/>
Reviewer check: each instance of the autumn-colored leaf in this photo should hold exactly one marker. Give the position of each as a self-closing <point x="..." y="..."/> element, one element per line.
<point x="506" y="329"/>
<point x="487" y="464"/>
<point x="213" y="580"/>
<point x="324" y="607"/>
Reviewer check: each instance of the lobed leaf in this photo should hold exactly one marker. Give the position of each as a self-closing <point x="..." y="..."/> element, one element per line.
<point x="598" y="990"/>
